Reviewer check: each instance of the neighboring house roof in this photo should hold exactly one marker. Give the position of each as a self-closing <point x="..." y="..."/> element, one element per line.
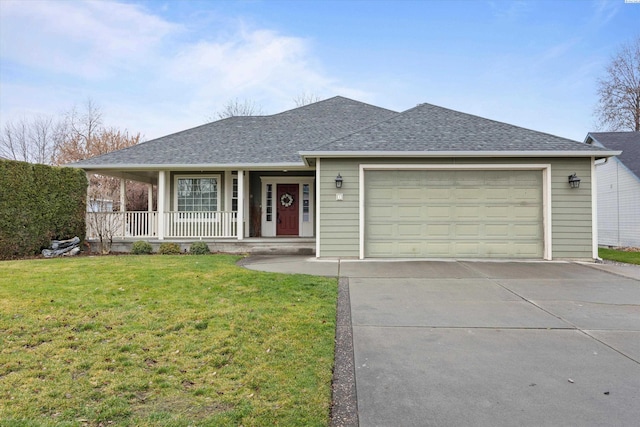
<point x="432" y="129"/>
<point x="338" y="126"/>
<point x="251" y="140"/>
<point x="627" y="142"/>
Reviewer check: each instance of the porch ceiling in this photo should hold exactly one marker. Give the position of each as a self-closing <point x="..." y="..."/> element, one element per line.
<point x="148" y="177"/>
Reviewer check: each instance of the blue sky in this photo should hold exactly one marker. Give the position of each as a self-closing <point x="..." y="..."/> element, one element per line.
<point x="157" y="67"/>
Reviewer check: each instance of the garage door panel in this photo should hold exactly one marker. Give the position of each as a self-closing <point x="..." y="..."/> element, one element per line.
<point x="410" y="230"/>
<point x="527" y="213"/>
<point x="463" y="213"/>
<point x="437" y="212"/>
<point x="408" y="195"/>
<point x="436" y="194"/>
<point x="468" y="194"/>
<point x="467" y="231"/>
<point x="496" y="194"/>
<point x="410" y="248"/>
<point x="439" y="249"/>
<point x="467" y="249"/>
<point x="526" y="250"/>
<point x="531" y="231"/>
<point x="438" y="230"/>
<point x="381" y="212"/>
<point x="408" y="212"/>
<point x="496" y="212"/>
<point x="493" y="231"/>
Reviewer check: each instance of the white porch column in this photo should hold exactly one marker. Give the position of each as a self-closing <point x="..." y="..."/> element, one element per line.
<point x="123" y="205"/>
<point x="149" y="197"/>
<point x="161" y="201"/>
<point x="123" y="195"/>
<point x="240" y="219"/>
<point x="247" y="208"/>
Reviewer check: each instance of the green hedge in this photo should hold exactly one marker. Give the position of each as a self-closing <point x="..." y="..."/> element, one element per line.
<point x="39" y="203"/>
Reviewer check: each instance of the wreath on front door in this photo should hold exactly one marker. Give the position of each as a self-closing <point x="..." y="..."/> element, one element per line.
<point x="286" y="200"/>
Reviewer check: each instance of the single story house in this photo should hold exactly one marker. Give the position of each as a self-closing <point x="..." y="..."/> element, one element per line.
<point x="618" y="189"/>
<point x="362" y="181"/>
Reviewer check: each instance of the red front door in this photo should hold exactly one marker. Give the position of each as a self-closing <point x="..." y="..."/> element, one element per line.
<point x="287" y="210"/>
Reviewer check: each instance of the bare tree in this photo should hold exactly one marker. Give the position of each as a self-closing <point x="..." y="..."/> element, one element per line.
<point x="305" y="98"/>
<point x="30" y="140"/>
<point x="619" y="91"/>
<point x="83" y="136"/>
<point x="103" y="226"/>
<point x="235" y="107"/>
<point x="76" y="146"/>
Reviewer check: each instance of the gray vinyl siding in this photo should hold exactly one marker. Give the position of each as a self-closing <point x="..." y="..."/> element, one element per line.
<point x="571" y="214"/>
<point x="339" y="220"/>
<point x="571" y="209"/>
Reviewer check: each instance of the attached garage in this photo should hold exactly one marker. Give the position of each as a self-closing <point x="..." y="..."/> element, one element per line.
<point x="453" y="213"/>
<point x="436" y="183"/>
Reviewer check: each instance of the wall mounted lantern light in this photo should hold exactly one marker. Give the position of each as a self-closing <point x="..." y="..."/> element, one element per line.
<point x="574" y="181"/>
<point x="338" y="181"/>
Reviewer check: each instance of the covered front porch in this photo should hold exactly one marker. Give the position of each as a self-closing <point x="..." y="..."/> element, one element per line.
<point x="217" y="206"/>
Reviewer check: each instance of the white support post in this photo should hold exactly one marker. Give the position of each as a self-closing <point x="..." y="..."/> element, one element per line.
<point x="123" y="205"/>
<point x="247" y="207"/>
<point x="123" y="195"/>
<point x="240" y="219"/>
<point x="89" y="175"/>
<point x="161" y="196"/>
<point x="149" y="197"/>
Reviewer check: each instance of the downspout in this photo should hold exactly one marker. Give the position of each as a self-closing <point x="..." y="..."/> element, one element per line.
<point x="618" y="202"/>
<point x="594" y="211"/>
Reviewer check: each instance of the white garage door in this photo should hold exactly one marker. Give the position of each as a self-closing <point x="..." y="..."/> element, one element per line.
<point x="462" y="213"/>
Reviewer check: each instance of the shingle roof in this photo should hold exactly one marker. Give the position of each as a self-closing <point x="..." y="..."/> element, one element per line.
<point x="337" y="125"/>
<point x="429" y="128"/>
<point x="628" y="142"/>
<point x="273" y="139"/>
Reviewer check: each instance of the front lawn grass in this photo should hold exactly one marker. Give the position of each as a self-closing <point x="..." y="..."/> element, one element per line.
<point x="163" y="341"/>
<point x="619" y="256"/>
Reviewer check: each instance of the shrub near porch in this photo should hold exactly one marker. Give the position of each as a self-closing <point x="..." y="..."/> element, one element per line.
<point x="163" y="340"/>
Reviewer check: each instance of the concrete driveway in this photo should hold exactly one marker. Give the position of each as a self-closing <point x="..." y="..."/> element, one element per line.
<point x="459" y="343"/>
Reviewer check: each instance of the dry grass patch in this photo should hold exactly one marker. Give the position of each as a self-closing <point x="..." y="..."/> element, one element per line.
<point x="163" y="340"/>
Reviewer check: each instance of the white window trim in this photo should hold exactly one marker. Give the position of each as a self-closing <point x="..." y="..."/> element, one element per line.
<point x="546" y="191"/>
<point x="187" y="176"/>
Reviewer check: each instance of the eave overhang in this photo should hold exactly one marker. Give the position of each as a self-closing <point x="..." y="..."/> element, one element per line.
<point x="596" y="154"/>
<point x="190" y="167"/>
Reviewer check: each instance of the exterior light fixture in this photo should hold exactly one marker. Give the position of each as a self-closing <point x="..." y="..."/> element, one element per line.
<point x="574" y="181"/>
<point x="338" y="181"/>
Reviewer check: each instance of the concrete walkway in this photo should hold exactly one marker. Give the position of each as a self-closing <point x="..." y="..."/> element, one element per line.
<point x="462" y="343"/>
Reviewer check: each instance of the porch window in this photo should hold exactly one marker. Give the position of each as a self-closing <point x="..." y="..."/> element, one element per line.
<point x="234" y="196"/>
<point x="269" y="202"/>
<point x="197" y="194"/>
<point x="305" y="202"/>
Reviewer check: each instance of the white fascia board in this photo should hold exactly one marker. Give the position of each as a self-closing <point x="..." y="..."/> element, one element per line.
<point x="338" y="154"/>
<point x="205" y="166"/>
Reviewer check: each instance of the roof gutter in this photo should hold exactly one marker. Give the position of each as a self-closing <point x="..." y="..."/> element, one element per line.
<point x="598" y="154"/>
<point x="183" y="167"/>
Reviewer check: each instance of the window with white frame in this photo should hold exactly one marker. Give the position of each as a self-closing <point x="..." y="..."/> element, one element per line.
<point x="197" y="193"/>
<point x="234" y="195"/>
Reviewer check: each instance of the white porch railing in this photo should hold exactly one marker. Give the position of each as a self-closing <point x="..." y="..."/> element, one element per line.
<point x="176" y="224"/>
<point x="200" y="224"/>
